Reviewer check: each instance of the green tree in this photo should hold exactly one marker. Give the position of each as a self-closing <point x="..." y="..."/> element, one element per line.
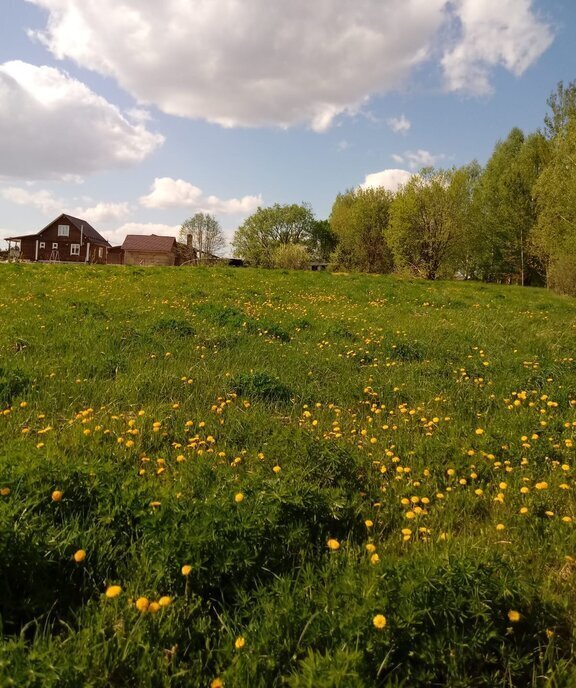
<point x="323" y="241"/>
<point x="290" y="256"/>
<point x="506" y="207"/>
<point x="427" y="221"/>
<point x="203" y="237"/>
<point x="555" y="192"/>
<point x="268" y="228"/>
<point x="359" y="220"/>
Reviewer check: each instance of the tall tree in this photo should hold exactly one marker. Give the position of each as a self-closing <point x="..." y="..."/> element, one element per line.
<point x="359" y="219"/>
<point x="506" y="205"/>
<point x="268" y="228"/>
<point x="427" y="221"/>
<point x="203" y="237"/>
<point x="555" y="192"/>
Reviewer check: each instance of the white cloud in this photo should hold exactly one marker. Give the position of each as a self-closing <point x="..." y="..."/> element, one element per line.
<point x="390" y="179"/>
<point x="399" y="125"/>
<point x="49" y="204"/>
<point x="117" y="236"/>
<point x="493" y="32"/>
<point x="54" y="126"/>
<point x="280" y="63"/>
<point x="177" y="193"/>
<point x="418" y="159"/>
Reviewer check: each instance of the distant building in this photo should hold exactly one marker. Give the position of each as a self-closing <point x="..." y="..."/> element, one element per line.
<point x="141" y="249"/>
<point x="66" y="239"/>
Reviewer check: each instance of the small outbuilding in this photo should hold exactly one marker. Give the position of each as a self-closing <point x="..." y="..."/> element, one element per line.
<point x="152" y="249"/>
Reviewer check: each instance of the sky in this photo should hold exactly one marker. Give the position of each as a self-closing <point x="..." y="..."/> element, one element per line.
<point x="135" y="115"/>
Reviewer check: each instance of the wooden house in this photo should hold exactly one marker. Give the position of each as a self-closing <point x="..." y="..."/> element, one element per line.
<point x="141" y="249"/>
<point x="66" y="239"/>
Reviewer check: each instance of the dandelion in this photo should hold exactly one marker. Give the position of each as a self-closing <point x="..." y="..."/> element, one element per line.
<point x="379" y="621"/>
<point x="374" y="559"/>
<point x="153" y="607"/>
<point x="239" y="497"/>
<point x="513" y="616"/>
<point x="542" y="485"/>
<point x="239" y="642"/>
<point x="370" y="547"/>
<point x="79" y="556"/>
<point x="186" y="570"/>
<point x="333" y="544"/>
<point x="113" y="591"/>
<point x="57" y="495"/>
<point x="217" y="683"/>
<point x="368" y="523"/>
<point x="165" y="601"/>
<point x="276" y="469"/>
<point x="500" y="526"/>
<point x="479" y="431"/>
<point x="142" y="604"/>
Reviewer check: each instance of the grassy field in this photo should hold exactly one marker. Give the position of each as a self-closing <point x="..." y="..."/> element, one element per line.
<point x="261" y="478"/>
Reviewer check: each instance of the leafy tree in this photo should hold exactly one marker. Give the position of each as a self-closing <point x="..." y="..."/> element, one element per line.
<point x="323" y="241"/>
<point x="427" y="220"/>
<point x="203" y="237"/>
<point x="555" y="191"/>
<point x="506" y="207"/>
<point x="359" y="220"/>
<point x="562" y="104"/>
<point x="268" y="228"/>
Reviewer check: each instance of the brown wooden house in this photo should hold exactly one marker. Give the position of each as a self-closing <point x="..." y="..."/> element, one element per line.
<point x="66" y="239"/>
<point x="142" y="249"/>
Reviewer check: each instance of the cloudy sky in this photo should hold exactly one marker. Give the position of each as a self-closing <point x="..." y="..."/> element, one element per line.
<point x="136" y="114"/>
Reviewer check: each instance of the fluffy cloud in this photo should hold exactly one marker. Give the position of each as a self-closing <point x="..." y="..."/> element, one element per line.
<point x="63" y="128"/>
<point x="418" y="159"/>
<point x="271" y="62"/>
<point x="390" y="179"/>
<point x="49" y="204"/>
<point x="117" y="236"/>
<point x="399" y="125"/>
<point x="493" y="32"/>
<point x="177" y="193"/>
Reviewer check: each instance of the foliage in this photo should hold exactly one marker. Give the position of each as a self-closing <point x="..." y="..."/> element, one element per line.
<point x="203" y="237"/>
<point x="359" y="220"/>
<point x="290" y="257"/>
<point x="269" y="228"/>
<point x="427" y="220"/>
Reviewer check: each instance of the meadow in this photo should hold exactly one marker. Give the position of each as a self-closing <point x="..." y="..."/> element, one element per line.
<point x="249" y="478"/>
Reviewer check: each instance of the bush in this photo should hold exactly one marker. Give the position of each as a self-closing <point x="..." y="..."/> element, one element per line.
<point x="290" y="257"/>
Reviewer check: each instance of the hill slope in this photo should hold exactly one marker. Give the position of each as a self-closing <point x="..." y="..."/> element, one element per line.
<point x="303" y="479"/>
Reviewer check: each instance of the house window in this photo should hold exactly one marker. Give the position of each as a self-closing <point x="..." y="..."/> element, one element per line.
<point x="74" y="249"/>
<point x="42" y="244"/>
<point x="100" y="250"/>
<point x="63" y="230"/>
<point x="55" y="246"/>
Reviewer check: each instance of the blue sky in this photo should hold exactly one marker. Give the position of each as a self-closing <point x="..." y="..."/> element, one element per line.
<point x="136" y="115"/>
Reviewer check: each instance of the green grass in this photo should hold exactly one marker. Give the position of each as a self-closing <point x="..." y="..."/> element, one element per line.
<point x="411" y="417"/>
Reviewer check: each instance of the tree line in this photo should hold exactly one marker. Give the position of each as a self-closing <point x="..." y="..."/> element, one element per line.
<point x="511" y="221"/>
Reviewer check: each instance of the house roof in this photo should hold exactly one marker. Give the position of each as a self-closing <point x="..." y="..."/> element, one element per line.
<point x="151" y="243"/>
<point x="88" y="231"/>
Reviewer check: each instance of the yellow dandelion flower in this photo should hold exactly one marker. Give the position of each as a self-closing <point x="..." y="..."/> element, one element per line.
<point x="239" y="497"/>
<point x="276" y="469"/>
<point x="153" y="607"/>
<point x="513" y="616"/>
<point x="217" y="683"/>
<point x="79" y="556"/>
<point x="370" y="547"/>
<point x="186" y="570"/>
<point x="239" y="642"/>
<point x="142" y="604"/>
<point x="500" y="526"/>
<point x="333" y="544"/>
<point x="113" y="591"/>
<point x="379" y="621"/>
<point x="368" y="523"/>
<point x="374" y="559"/>
<point x="57" y="495"/>
<point x="165" y="601"/>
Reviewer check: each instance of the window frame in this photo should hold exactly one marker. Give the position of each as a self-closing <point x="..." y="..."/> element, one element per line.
<point x="74" y="249"/>
<point x="42" y="244"/>
<point x="54" y="245"/>
<point x="62" y="233"/>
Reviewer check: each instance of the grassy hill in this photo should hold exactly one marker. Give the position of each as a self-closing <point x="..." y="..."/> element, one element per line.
<point x="261" y="478"/>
